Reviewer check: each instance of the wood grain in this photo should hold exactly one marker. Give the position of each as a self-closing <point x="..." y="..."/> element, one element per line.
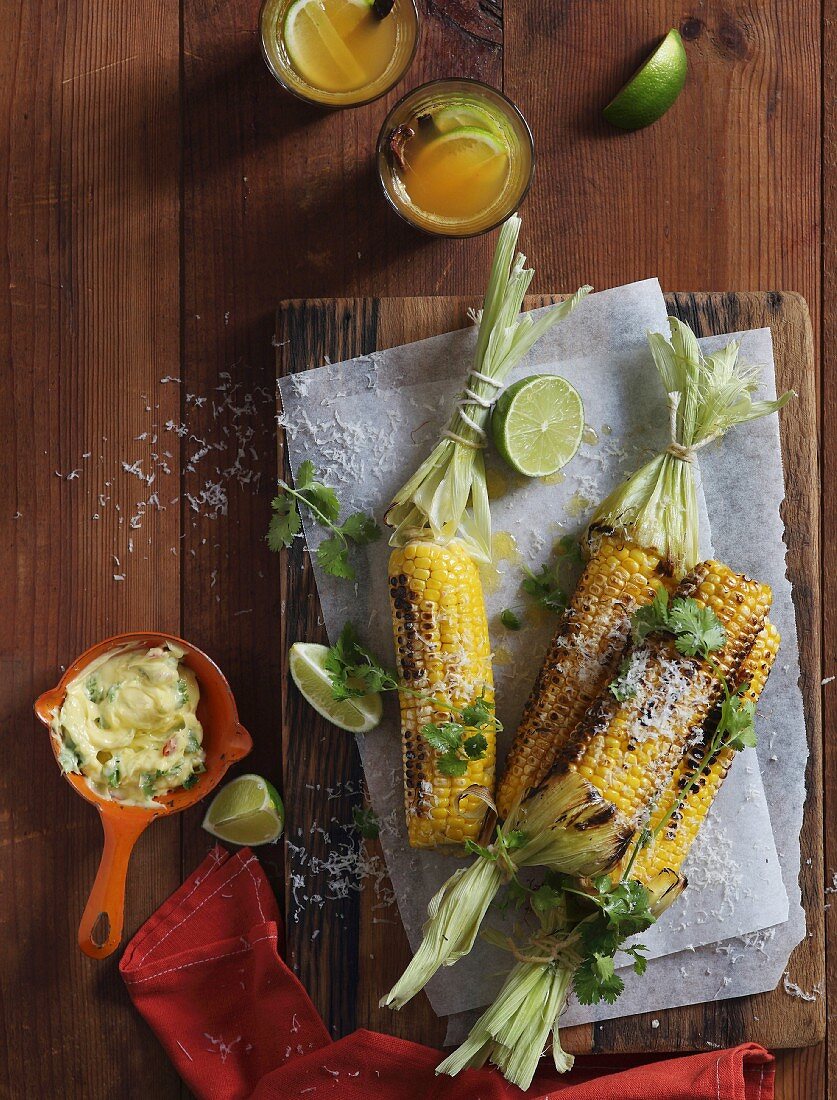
<point x="309" y="332"/>
<point x="90" y="325"/>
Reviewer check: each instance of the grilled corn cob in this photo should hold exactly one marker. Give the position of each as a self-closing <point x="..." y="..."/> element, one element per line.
<point x="672" y="844"/>
<point x="655" y="512"/>
<point x="441" y="527"/>
<point x="623" y="752"/>
<point x="443" y="654"/>
<point x="581" y="660"/>
<point x="513" y="1031"/>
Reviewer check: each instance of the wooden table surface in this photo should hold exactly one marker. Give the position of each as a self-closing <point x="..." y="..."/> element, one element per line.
<point x="161" y="197"/>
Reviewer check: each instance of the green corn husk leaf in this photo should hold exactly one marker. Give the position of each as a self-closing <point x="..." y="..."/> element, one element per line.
<point x="447" y="496"/>
<point x="708" y="395"/>
<point x="515" y="1029"/>
<point x="454" y="914"/>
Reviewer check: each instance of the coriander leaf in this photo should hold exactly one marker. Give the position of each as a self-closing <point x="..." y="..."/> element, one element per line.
<point x="546" y="898"/>
<point x="366" y="821"/>
<point x="361" y="529"/>
<point x="443" y="738"/>
<point x="545" y="588"/>
<point x="93" y="689"/>
<point x="696" y="629"/>
<point x="189" y="781"/>
<point x="333" y="556"/>
<point x="509" y="620"/>
<point x="322" y="498"/>
<point x="452" y="765"/>
<point x="69" y="758"/>
<point x="475" y="746"/>
<point x="640" y="962"/>
<point x="305" y="475"/>
<point x="479" y="849"/>
<point x="571" y="550"/>
<point x="651" y="618"/>
<point x="478" y="713"/>
<point x="619" y="687"/>
<point x="285" y="523"/>
<point x="596" y="980"/>
<point x="353" y="670"/>
<point x="737" y="723"/>
<point x="514" y="839"/>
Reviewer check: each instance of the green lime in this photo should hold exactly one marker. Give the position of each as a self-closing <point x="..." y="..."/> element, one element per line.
<point x="456" y="116"/>
<point x="537" y="424"/>
<point x="653" y="87"/>
<point x="307" y="665"/>
<point x="248" y="810"/>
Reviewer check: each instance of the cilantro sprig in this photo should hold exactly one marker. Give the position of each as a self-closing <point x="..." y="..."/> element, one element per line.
<point x="449" y="740"/>
<point x="548" y="587"/>
<point x="620" y="910"/>
<point x="321" y="500"/>
<point x="696" y="630"/>
<point x="353" y="670"/>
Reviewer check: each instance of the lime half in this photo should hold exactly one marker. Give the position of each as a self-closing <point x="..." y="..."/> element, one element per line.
<point x="247" y="810"/>
<point x="653" y="88"/>
<point x="537" y="424"/>
<point x="307" y="665"/>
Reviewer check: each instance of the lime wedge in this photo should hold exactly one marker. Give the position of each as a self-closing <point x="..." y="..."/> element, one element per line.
<point x="537" y="424"/>
<point x="247" y="810"/>
<point x="307" y="665"/>
<point x="653" y="88"/>
<point x="309" y="33"/>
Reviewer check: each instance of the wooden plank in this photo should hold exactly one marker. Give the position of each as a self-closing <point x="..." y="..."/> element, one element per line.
<point x="306" y="333"/>
<point x="829" y="508"/>
<point x="89" y="316"/>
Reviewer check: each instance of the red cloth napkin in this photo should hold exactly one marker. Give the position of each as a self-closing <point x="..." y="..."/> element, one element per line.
<point x="205" y="972"/>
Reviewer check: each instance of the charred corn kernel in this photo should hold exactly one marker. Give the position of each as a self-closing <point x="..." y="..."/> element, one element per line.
<point x="581" y="660"/>
<point x="671" y="847"/>
<point x="442" y="650"/>
<point x="627" y="751"/>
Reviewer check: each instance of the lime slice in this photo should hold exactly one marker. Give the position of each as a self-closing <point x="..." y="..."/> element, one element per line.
<point x="476" y="161"/>
<point x="653" y="88"/>
<point x="307" y="665"/>
<point x="247" y="810"/>
<point x="537" y="424"/>
<point x="457" y="116"/>
<point x="309" y="34"/>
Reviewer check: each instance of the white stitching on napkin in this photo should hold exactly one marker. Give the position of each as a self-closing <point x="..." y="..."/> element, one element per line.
<point x="256" y="888"/>
<point x="198" y="962"/>
<point x="192" y="912"/>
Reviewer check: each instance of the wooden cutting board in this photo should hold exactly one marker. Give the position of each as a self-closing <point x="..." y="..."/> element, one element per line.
<point x="348" y="951"/>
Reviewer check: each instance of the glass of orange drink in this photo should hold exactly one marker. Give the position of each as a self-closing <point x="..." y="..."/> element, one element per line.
<point x="339" y="53"/>
<point x="455" y="157"/>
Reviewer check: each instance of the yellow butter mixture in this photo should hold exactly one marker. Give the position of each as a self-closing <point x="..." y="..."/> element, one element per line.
<point x="128" y="724"/>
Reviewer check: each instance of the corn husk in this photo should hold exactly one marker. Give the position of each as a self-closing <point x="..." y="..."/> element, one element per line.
<point x="657" y="506"/>
<point x="447" y="496"/>
<point x="523" y="1020"/>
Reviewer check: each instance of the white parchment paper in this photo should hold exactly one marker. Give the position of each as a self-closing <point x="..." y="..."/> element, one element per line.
<point x="366" y="424"/>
